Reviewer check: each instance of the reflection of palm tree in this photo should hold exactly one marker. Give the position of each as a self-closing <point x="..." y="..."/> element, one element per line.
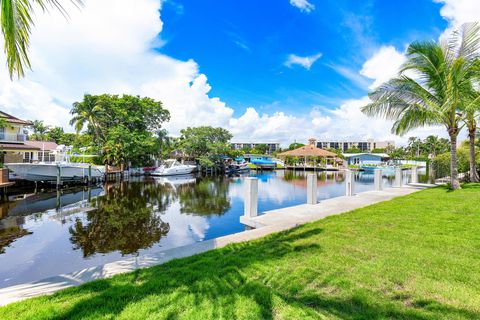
<point x="123" y="221"/>
<point x="207" y="197"/>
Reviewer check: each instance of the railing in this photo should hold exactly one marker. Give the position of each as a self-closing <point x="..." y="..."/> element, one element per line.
<point x="12" y="137"/>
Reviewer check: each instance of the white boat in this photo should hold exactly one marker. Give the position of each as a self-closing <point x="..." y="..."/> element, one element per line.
<point x="172" y="167"/>
<point x="49" y="171"/>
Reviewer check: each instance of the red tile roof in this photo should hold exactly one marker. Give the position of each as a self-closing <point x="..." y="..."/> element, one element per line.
<point x="12" y="119"/>
<point x="45" y="145"/>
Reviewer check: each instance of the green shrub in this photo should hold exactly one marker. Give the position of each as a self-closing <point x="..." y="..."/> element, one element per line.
<point x="441" y="163"/>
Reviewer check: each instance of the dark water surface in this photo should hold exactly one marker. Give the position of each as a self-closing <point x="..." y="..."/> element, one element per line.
<point x="46" y="234"/>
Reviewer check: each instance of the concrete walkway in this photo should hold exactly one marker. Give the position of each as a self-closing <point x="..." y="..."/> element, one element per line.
<point x="270" y="222"/>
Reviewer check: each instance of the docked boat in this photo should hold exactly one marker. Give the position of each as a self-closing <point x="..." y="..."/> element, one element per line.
<point x="371" y="169"/>
<point x="264" y="163"/>
<point x="172" y="167"/>
<point x="50" y="171"/>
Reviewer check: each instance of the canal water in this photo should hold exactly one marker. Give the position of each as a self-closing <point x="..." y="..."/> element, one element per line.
<point x="48" y="233"/>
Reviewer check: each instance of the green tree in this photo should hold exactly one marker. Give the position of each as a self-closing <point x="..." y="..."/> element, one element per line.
<point x="39" y="130"/>
<point x="471" y="114"/>
<point x="123" y="127"/>
<point x="16" y="19"/>
<point x="295" y="145"/>
<point x="443" y="74"/>
<point x="205" y="143"/>
<point x="55" y="134"/>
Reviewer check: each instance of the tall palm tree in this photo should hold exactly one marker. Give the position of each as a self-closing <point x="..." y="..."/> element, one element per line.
<point x="435" y="94"/>
<point x="39" y="130"/>
<point x="88" y="112"/>
<point x="472" y="113"/>
<point x="16" y="19"/>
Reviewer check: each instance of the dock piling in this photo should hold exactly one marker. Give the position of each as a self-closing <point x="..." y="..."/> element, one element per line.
<point x="414" y="178"/>
<point x="398" y="177"/>
<point x="349" y="183"/>
<point x="251" y="197"/>
<point x="59" y="176"/>
<point x="378" y="180"/>
<point x="311" y="188"/>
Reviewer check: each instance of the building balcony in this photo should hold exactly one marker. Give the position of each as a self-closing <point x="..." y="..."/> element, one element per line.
<point x="9" y="137"/>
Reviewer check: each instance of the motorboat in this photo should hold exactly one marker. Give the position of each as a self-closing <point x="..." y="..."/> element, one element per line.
<point x="49" y="171"/>
<point x="172" y="167"/>
<point x="238" y="165"/>
<point x="264" y="163"/>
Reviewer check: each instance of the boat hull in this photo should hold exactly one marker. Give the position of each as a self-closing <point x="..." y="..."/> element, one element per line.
<point x="48" y="172"/>
<point x="180" y="170"/>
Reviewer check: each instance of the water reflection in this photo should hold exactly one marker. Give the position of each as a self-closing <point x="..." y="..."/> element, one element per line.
<point x="49" y="233"/>
<point x="124" y="220"/>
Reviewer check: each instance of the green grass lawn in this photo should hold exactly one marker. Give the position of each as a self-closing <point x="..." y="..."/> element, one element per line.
<point x="415" y="257"/>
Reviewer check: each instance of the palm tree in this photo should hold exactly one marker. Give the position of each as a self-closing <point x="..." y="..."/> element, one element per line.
<point x="435" y="94"/>
<point x="471" y="115"/>
<point x="89" y="111"/>
<point x="39" y="130"/>
<point x="16" y="19"/>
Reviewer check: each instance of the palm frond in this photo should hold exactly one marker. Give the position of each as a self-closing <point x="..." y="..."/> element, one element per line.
<point x="16" y="21"/>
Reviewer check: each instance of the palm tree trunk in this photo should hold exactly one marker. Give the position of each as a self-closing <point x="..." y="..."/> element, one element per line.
<point x="473" y="165"/>
<point x="455" y="184"/>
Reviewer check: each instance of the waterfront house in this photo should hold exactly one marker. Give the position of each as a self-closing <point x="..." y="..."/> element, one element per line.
<point x="12" y="139"/>
<point x="44" y="151"/>
<point x="366" y="158"/>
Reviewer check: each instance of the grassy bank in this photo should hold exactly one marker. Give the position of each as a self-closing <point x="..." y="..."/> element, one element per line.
<point x="415" y="257"/>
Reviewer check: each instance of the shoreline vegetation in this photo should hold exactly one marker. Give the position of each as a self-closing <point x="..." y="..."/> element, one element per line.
<point x="388" y="260"/>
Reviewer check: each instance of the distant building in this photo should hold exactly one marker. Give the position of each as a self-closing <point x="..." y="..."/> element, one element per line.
<point x="271" y="146"/>
<point x="363" y="145"/>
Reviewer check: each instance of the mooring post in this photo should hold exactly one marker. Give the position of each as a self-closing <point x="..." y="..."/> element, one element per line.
<point x="89" y="173"/>
<point x="414" y="178"/>
<point x="251" y="197"/>
<point x="398" y="177"/>
<point x="59" y="176"/>
<point x="349" y="183"/>
<point x="311" y="188"/>
<point x="378" y="179"/>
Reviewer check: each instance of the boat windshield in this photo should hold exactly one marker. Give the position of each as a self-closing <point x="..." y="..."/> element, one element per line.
<point x="169" y="163"/>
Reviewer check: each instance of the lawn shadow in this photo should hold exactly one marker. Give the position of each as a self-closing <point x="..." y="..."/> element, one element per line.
<point x="216" y="277"/>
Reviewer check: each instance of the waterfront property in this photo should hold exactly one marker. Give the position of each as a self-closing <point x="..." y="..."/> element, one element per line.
<point x="310" y="156"/>
<point x="364" y="145"/>
<point x="12" y="139"/>
<point x="338" y="267"/>
<point x="366" y="158"/>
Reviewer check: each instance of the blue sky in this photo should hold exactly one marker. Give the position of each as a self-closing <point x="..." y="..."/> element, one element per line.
<point x="242" y="46"/>
<point x="266" y="70"/>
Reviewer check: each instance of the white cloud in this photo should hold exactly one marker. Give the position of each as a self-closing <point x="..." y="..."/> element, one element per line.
<point x="303" y="5"/>
<point x="100" y="51"/>
<point x="305" y="62"/>
<point x="383" y="65"/>
<point x="457" y="12"/>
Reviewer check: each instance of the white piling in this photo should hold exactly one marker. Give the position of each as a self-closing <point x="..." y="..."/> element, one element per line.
<point x="251" y="197"/>
<point x="311" y="188"/>
<point x="398" y="177"/>
<point x="378" y="181"/>
<point x="414" y="178"/>
<point x="349" y="183"/>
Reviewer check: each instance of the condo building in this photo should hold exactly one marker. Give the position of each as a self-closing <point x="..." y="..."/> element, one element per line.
<point x="271" y="146"/>
<point x="363" y="145"/>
